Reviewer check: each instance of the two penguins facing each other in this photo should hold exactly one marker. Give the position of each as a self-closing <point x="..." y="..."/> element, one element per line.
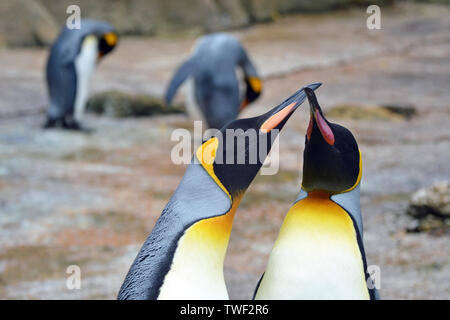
<point x="319" y="252"/>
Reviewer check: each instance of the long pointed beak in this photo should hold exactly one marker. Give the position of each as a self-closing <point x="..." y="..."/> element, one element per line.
<point x="318" y="118"/>
<point x="283" y="111"/>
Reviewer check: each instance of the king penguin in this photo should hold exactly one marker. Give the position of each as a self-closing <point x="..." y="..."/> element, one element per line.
<point x="319" y="252"/>
<point x="214" y="85"/>
<point x="71" y="63"/>
<point x="184" y="254"/>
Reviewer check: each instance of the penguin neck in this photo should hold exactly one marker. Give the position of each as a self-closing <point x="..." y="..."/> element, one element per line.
<point x="197" y="265"/>
<point x="316" y="255"/>
<point x="317" y="213"/>
<point x="208" y="239"/>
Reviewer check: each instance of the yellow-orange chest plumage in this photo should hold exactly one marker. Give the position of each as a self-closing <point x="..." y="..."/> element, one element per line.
<point x="197" y="267"/>
<point x="316" y="255"/>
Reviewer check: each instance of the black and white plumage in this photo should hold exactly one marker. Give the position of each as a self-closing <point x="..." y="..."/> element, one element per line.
<point x="70" y="65"/>
<point x="214" y="94"/>
<point x="319" y="252"/>
<point x="183" y="256"/>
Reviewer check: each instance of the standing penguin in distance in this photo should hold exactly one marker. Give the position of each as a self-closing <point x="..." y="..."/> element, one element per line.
<point x="319" y="252"/>
<point x="214" y="89"/>
<point x="72" y="61"/>
<point x="184" y="254"/>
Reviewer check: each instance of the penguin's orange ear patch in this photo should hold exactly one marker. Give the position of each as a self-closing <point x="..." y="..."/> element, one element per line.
<point x="110" y="38"/>
<point x="206" y="153"/>
<point x="255" y="83"/>
<point x="276" y="118"/>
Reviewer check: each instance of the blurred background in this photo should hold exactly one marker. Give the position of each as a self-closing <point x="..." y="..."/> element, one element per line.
<point x="69" y="198"/>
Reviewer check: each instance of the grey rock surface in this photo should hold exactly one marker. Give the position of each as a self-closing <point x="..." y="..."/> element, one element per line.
<point x="430" y="207"/>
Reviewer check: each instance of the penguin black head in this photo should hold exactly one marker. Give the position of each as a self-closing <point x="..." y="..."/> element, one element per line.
<point x="107" y="43"/>
<point x="234" y="155"/>
<point x="331" y="159"/>
<point x="253" y="91"/>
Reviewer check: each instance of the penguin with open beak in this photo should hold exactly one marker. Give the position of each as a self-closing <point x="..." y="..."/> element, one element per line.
<point x="319" y="252"/>
<point x="73" y="58"/>
<point x="214" y="88"/>
<point x="184" y="254"/>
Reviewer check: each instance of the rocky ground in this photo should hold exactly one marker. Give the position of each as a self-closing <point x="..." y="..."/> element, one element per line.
<point x="91" y="199"/>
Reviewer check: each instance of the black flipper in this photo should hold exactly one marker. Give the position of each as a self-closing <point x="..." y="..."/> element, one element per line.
<point x="257" y="287"/>
<point x="197" y="197"/>
<point x="183" y="72"/>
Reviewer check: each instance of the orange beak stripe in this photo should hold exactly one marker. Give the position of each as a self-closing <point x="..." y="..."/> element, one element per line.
<point x="310" y="127"/>
<point x="325" y="130"/>
<point x="277" y="118"/>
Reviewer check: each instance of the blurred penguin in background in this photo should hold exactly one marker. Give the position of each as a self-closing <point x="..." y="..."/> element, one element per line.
<point x="214" y="95"/>
<point x="72" y="61"/>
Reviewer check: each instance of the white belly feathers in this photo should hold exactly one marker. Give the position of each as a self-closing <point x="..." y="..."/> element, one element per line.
<point x="84" y="66"/>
